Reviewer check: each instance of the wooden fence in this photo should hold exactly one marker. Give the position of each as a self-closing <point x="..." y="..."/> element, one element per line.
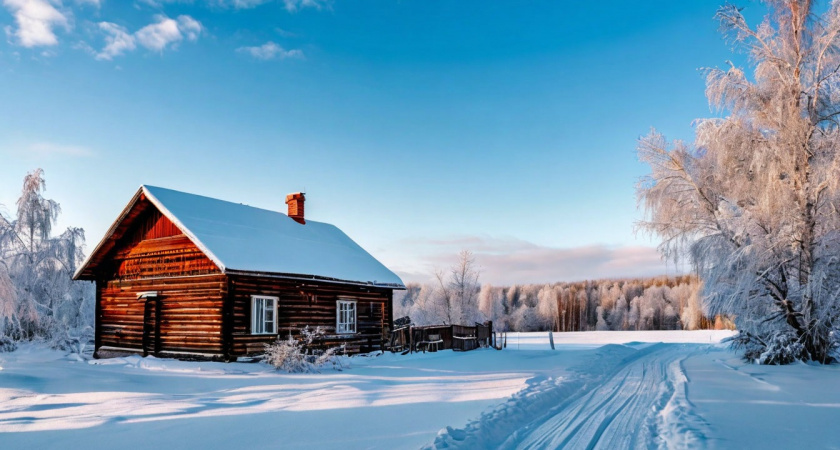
<point x="455" y="337"/>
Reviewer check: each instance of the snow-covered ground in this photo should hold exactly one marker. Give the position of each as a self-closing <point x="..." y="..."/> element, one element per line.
<point x="595" y="390"/>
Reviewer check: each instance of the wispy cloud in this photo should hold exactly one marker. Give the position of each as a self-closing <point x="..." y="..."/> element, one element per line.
<point x="290" y="5"/>
<point x="242" y="4"/>
<point x="508" y="261"/>
<point x="36" y="21"/>
<point x="285" y="33"/>
<point x="164" y="32"/>
<point x="236" y="4"/>
<point x="296" y="5"/>
<point x="269" y="51"/>
<point x="117" y="41"/>
<point x="50" y="149"/>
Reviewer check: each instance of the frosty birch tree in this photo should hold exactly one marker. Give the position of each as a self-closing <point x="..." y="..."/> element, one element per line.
<point x="490" y="302"/>
<point x="460" y="290"/>
<point x="38" y="297"/>
<point x="754" y="200"/>
<point x="547" y="307"/>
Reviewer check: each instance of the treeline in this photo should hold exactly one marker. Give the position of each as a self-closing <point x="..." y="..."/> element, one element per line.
<point x="661" y="303"/>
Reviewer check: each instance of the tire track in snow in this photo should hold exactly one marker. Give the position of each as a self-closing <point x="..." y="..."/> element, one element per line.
<point x="615" y="421"/>
<point x="678" y="425"/>
<point x="638" y="401"/>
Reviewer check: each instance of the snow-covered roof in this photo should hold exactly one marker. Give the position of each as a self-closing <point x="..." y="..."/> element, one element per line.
<point x="241" y="238"/>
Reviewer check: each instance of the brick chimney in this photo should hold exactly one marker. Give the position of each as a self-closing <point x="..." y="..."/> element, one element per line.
<point x="295" y="202"/>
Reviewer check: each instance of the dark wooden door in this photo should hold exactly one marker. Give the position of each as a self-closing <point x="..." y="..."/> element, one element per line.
<point x="151" y="326"/>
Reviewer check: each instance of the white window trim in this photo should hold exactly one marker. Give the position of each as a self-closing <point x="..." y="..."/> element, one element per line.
<point x="254" y="299"/>
<point x="338" y="326"/>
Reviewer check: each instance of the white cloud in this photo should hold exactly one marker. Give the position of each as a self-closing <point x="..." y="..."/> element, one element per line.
<point x="117" y="41"/>
<point x="96" y="3"/>
<point x="190" y="27"/>
<point x="237" y="4"/>
<point x="269" y="51"/>
<point x="290" y="5"/>
<point x="157" y="36"/>
<point x="295" y="5"/>
<point x="36" y="20"/>
<point x="242" y="4"/>
<point x="47" y="149"/>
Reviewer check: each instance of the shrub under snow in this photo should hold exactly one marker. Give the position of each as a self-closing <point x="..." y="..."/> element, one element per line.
<point x="774" y="349"/>
<point x="7" y="344"/>
<point x="298" y="355"/>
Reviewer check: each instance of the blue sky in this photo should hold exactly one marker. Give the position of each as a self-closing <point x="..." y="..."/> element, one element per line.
<point x="418" y="127"/>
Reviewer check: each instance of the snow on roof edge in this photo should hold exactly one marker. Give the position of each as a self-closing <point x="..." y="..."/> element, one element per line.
<point x="166" y="212"/>
<point x="305" y="277"/>
<point x="205" y="248"/>
<point x="159" y="204"/>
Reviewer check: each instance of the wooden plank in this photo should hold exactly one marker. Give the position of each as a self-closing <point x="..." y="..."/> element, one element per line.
<point x="189" y="315"/>
<point x="307" y="303"/>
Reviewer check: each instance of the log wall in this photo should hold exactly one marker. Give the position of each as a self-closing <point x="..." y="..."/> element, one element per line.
<point x="198" y="309"/>
<point x="186" y="317"/>
<point x="307" y="303"/>
<point x="187" y="313"/>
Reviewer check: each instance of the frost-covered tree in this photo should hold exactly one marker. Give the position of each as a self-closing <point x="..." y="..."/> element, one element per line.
<point x="634" y="315"/>
<point x="459" y="288"/>
<point x="691" y="309"/>
<point x="755" y="200"/>
<point x="490" y="302"/>
<point x="649" y="304"/>
<point x="617" y="316"/>
<point x="38" y="297"/>
<point x="547" y="308"/>
<point x="422" y="302"/>
<point x="600" y="321"/>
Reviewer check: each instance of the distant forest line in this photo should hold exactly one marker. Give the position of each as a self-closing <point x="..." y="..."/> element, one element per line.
<point x="658" y="303"/>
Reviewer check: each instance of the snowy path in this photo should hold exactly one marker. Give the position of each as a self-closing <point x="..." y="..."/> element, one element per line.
<point x="628" y="408"/>
<point x="627" y="397"/>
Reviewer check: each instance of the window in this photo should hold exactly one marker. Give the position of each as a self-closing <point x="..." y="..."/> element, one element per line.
<point x="345" y="316"/>
<point x="263" y="315"/>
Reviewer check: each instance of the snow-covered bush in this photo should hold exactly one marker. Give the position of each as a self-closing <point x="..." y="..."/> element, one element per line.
<point x="299" y="355"/>
<point x="774" y="349"/>
<point x="287" y="355"/>
<point x="80" y="341"/>
<point x="7" y="344"/>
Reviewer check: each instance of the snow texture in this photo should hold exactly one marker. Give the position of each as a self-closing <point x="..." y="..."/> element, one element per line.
<point x="244" y="238"/>
<point x="673" y="389"/>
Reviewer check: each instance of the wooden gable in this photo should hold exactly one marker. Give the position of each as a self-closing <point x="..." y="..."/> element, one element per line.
<point x="144" y="243"/>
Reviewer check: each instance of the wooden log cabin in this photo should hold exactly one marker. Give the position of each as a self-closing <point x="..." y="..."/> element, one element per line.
<point x="184" y="275"/>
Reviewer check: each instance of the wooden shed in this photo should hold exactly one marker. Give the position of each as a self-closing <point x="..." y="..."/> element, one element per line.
<point x="179" y="274"/>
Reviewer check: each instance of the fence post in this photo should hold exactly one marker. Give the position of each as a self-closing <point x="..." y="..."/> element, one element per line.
<point x="551" y="339"/>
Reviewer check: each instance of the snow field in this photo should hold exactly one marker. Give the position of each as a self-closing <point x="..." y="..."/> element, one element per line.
<point x="645" y="389"/>
<point x="625" y="396"/>
<point x="584" y="340"/>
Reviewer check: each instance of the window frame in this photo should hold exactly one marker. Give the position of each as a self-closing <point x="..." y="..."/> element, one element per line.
<point x="254" y="319"/>
<point x="343" y="327"/>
